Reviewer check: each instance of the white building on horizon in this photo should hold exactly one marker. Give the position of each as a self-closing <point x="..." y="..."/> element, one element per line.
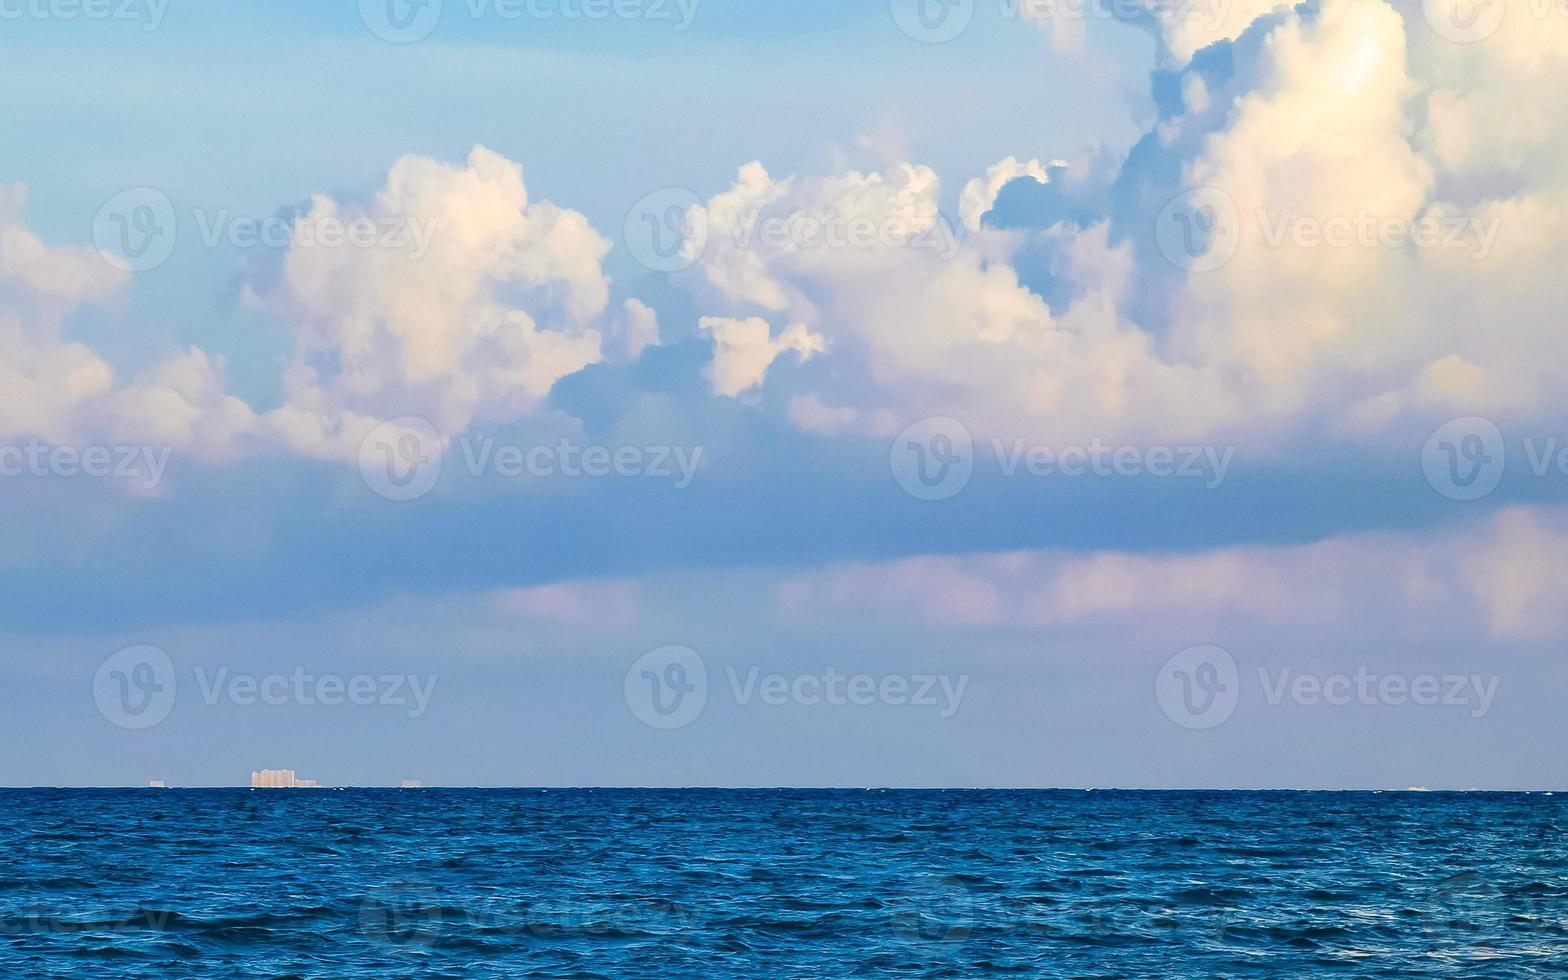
<point x="279" y="779"/>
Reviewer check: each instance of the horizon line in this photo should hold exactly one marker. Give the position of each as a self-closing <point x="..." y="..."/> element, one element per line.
<point x="815" y="788"/>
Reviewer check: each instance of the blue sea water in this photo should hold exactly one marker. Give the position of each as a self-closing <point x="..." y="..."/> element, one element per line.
<point x="780" y="883"/>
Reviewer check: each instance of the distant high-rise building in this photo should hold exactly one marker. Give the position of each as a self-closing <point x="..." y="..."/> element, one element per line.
<point x="279" y="779"/>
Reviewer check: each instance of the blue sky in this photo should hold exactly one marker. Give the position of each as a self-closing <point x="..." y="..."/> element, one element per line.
<point x="506" y="444"/>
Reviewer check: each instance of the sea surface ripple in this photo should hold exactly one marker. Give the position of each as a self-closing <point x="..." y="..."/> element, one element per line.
<point x="780" y="883"/>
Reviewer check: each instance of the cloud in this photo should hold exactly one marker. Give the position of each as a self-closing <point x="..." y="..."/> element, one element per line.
<point x="1187" y="28"/>
<point x="1509" y="574"/>
<point x="1303" y="119"/>
<point x="484" y="298"/>
<point x="948" y="330"/>
<point x="950" y="591"/>
<point x="1050" y="588"/>
<point x="1519" y="574"/>
<point x="572" y="604"/>
<point x="462" y="303"/>
<point x="980" y="193"/>
<point x="45" y="381"/>
<point x="468" y="318"/>
<point x="743" y="350"/>
<point x="62" y="391"/>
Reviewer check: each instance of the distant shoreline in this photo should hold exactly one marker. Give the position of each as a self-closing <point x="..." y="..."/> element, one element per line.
<point x="1413" y="791"/>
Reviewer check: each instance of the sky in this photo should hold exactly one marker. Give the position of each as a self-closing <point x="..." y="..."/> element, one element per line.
<point x="731" y="393"/>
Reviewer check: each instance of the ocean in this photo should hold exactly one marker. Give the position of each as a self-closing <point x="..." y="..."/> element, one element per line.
<point x="780" y="883"/>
